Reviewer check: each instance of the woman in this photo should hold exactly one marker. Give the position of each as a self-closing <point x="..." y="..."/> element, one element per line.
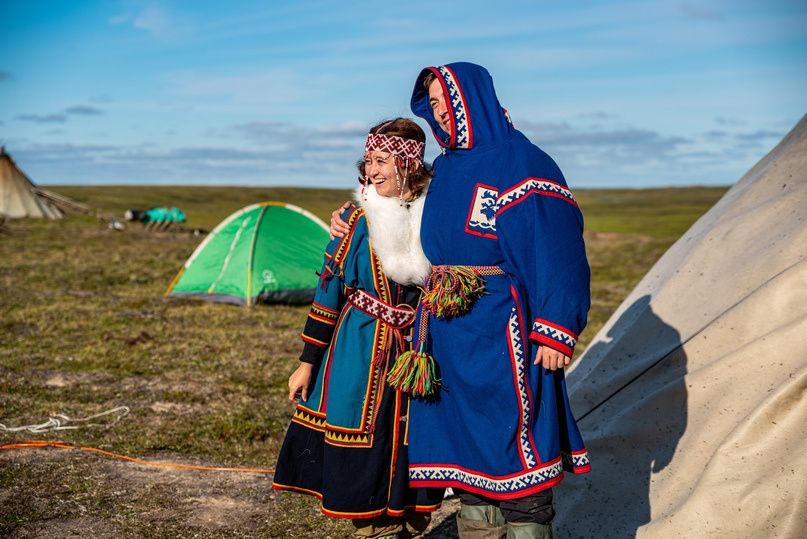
<point x="347" y="442"/>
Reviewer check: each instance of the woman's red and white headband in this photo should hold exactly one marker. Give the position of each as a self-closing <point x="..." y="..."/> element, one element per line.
<point x="403" y="147"/>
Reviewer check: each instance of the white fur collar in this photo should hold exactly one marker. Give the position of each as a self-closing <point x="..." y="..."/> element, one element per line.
<point x="395" y="235"/>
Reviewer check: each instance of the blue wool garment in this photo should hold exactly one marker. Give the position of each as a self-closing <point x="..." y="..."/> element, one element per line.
<point x="500" y="426"/>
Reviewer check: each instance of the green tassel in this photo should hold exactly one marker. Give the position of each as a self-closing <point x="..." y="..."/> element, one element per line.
<point x="452" y="292"/>
<point x="414" y="373"/>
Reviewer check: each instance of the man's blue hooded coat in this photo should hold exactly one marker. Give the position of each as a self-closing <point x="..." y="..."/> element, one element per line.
<point x="500" y="426"/>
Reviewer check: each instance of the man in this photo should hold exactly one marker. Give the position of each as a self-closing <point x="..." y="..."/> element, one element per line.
<point x="507" y="298"/>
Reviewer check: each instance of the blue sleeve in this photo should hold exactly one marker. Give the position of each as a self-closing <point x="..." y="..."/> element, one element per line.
<point x="540" y="230"/>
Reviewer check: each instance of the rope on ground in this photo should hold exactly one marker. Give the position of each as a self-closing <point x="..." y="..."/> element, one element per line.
<point x="40" y="444"/>
<point x="61" y="422"/>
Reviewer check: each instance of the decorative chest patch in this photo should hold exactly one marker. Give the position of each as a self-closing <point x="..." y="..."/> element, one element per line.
<point x="482" y="214"/>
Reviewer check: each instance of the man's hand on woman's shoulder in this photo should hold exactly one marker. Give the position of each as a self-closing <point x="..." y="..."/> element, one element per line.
<point x="338" y="227"/>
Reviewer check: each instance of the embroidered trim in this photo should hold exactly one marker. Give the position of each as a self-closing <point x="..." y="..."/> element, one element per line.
<point x="333" y="435"/>
<point x="547" y="332"/>
<point x="463" y="134"/>
<point x="344" y="245"/>
<point x="442" y="475"/>
<point x="530" y="186"/>
<point x="379" y="142"/>
<point x="312" y="340"/>
<point x="369" y="514"/>
<point x="577" y="462"/>
<point x="347" y="440"/>
<point x="517" y="351"/>
<point x="306" y="417"/>
<point x="323" y="314"/>
<point x="396" y="317"/>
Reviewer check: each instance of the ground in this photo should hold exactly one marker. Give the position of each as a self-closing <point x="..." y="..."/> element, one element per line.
<point x="211" y="503"/>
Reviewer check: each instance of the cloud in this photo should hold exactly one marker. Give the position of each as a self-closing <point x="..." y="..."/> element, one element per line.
<point x="271" y="132"/>
<point x="634" y="157"/>
<point x="37" y="118"/>
<point x="58" y="117"/>
<point x="759" y="135"/>
<point x="598" y="115"/>
<point x="275" y="153"/>
<point x="120" y="19"/>
<point x="721" y="120"/>
<point x="639" y="143"/>
<point x="263" y="131"/>
<point x="153" y="19"/>
<point x="697" y="12"/>
<point x="84" y="110"/>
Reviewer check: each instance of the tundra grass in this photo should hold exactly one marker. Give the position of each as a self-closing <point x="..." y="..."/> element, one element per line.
<point x="85" y="328"/>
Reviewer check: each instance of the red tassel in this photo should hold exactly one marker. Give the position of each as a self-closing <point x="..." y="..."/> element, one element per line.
<point x="415" y="373"/>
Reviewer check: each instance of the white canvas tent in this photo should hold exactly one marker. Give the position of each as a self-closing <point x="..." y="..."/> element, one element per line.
<point x="19" y="197"/>
<point x="693" y="397"/>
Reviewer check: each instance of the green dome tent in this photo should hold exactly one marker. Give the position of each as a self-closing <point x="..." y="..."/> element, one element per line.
<point x="267" y="252"/>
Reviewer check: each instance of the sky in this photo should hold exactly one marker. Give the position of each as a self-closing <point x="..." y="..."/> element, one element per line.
<point x="634" y="93"/>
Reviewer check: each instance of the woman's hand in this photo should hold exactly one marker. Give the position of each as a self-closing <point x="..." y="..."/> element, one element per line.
<point x="550" y="358"/>
<point x="299" y="382"/>
<point x="338" y="227"/>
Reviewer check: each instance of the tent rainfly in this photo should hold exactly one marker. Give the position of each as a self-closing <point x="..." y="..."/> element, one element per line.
<point x="19" y="197"/>
<point x="692" y="398"/>
<point x="268" y="252"/>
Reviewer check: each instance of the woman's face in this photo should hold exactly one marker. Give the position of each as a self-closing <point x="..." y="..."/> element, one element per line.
<point x="380" y="168"/>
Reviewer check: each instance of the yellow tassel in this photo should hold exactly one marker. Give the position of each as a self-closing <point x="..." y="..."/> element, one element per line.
<point x="451" y="292"/>
<point x="414" y="373"/>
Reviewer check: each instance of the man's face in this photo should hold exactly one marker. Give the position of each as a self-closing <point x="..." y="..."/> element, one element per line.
<point x="438" y="102"/>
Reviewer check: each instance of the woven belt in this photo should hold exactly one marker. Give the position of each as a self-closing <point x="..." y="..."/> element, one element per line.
<point x="395" y="317"/>
<point x="452" y="290"/>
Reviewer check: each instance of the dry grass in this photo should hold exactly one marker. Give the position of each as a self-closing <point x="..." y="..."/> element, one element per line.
<point x="85" y="328"/>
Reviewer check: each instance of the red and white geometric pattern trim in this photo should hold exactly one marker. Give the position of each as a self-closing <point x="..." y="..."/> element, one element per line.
<point x="459" y="110"/>
<point x="396" y="317"/>
<point x="544" y="331"/>
<point x="517" y="350"/>
<point x="530" y="186"/>
<point x="411" y="149"/>
<point x="577" y="461"/>
<point x="442" y="475"/>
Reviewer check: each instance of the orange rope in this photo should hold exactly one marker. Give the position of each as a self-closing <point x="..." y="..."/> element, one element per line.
<point x="39" y="444"/>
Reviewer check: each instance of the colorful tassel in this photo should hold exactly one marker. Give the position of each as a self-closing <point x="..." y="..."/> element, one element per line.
<point x="415" y="373"/>
<point x="452" y="290"/>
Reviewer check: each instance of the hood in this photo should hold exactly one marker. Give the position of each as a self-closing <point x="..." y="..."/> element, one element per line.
<point x="477" y="119"/>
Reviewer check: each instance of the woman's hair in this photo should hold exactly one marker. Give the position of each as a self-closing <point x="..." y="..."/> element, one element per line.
<point x="418" y="176"/>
